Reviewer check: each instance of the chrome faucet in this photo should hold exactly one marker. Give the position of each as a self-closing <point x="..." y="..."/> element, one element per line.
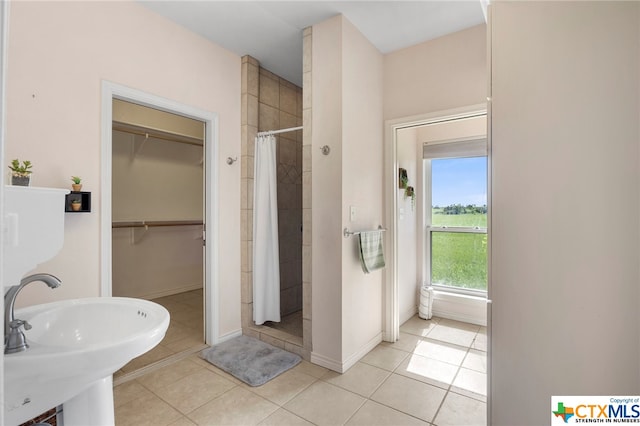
<point x="14" y="339"/>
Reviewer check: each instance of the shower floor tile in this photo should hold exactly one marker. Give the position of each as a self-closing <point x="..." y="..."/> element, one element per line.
<point x="291" y="324"/>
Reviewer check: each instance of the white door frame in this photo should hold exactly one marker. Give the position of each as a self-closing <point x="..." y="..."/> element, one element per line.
<point x="391" y="314"/>
<point x="4" y="21"/>
<point x="109" y="92"/>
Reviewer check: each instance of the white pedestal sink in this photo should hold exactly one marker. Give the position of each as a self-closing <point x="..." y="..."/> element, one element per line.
<point x="75" y="347"/>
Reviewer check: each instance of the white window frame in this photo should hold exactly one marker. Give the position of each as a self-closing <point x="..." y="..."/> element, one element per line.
<point x="441" y="153"/>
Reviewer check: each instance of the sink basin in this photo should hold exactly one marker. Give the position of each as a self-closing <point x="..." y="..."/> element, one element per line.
<point x="74" y="343"/>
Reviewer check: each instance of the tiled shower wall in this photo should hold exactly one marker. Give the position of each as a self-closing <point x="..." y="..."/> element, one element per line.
<point x="249" y="128"/>
<point x="271" y="103"/>
<point x="306" y="189"/>
<point x="280" y="107"/>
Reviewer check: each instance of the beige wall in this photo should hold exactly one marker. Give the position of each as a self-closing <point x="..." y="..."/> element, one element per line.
<point x="564" y="256"/>
<point x="467" y="128"/>
<point x="59" y="53"/>
<point x="362" y="174"/>
<point x="326" y="196"/>
<point x="412" y="82"/>
<point x="346" y="81"/>
<point x="445" y="73"/>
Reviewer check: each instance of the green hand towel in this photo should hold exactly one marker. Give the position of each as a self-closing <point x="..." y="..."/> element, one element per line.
<point x="371" y="251"/>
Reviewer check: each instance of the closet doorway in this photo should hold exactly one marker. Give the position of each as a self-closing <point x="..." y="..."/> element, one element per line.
<point x="158" y="206"/>
<point x="157" y="202"/>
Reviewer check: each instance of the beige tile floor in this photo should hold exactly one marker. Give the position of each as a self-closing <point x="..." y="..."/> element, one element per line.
<point x="185" y="332"/>
<point x="435" y="374"/>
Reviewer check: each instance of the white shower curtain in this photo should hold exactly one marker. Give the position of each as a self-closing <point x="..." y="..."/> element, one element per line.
<point x="266" y="259"/>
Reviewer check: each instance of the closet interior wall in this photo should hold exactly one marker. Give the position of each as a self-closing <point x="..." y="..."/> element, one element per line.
<point x="157" y="181"/>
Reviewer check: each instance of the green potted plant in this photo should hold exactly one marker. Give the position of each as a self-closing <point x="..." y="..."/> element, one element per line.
<point x="77" y="183"/>
<point x="403" y="178"/>
<point x="20" y="172"/>
<point x="410" y="192"/>
<point x="76" y="204"/>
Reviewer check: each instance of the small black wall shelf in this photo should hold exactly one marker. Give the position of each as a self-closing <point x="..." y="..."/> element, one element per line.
<point x="85" y="200"/>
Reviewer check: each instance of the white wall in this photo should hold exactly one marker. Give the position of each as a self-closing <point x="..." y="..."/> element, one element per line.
<point x="362" y="187"/>
<point x="441" y="74"/>
<point x="565" y="231"/>
<point x="59" y="53"/>
<point x="409" y="157"/>
<point x="347" y="116"/>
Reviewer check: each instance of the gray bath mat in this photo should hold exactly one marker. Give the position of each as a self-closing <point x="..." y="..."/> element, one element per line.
<point x="250" y="360"/>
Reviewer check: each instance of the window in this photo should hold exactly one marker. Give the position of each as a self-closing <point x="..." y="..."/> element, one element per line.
<point x="456" y="223"/>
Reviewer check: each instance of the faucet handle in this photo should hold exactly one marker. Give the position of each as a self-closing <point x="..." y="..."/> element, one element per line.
<point x="15" y="324"/>
<point x="16" y="341"/>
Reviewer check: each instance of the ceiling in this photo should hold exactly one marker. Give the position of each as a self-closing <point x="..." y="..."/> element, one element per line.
<point x="271" y="31"/>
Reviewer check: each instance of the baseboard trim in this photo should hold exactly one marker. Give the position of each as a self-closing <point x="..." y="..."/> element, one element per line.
<point x="158" y="364"/>
<point x="326" y="362"/>
<point x="229" y="336"/>
<point x="343" y="366"/>
<point x="406" y="316"/>
<point x="169" y="292"/>
<point x="357" y="356"/>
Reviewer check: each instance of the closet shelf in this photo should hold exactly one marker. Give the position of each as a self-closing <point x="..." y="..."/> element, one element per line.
<point x="153" y="223"/>
<point x="156" y="134"/>
<point x="138" y="144"/>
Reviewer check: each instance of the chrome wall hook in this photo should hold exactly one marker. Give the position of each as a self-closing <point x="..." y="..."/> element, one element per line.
<point x="230" y="160"/>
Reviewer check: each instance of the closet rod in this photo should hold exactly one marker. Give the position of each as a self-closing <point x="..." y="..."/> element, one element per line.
<point x="152" y="223"/>
<point x="157" y="136"/>
<point x="275" y="132"/>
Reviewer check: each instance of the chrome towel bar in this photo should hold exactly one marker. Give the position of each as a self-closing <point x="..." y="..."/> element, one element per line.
<point x="348" y="233"/>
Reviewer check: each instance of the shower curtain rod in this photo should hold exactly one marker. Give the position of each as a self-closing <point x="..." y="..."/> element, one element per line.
<point x="275" y="132"/>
